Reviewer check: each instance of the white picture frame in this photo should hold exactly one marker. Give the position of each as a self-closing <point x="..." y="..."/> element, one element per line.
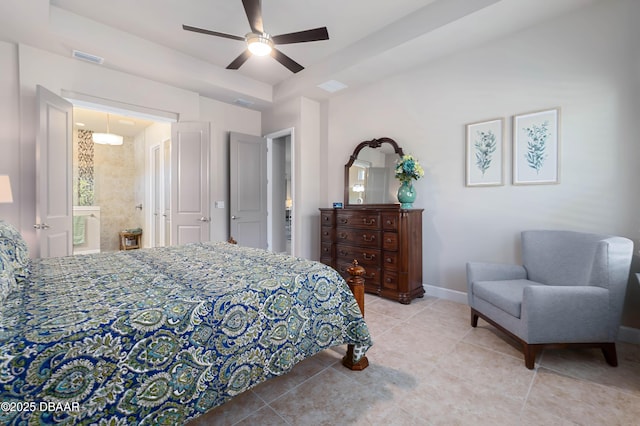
<point x="536" y="147"/>
<point x="485" y="153"/>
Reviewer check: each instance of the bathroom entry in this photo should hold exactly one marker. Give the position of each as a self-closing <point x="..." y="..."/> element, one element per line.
<point x="108" y="179"/>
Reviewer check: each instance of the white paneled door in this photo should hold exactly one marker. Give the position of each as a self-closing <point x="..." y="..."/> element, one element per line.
<point x="248" y="190"/>
<point x="190" y="207"/>
<point x="54" y="208"/>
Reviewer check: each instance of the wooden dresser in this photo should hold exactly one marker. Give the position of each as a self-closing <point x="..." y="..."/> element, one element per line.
<point x="385" y="240"/>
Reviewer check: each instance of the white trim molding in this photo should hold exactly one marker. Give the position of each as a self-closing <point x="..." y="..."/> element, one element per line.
<point x="445" y="293"/>
<point x="629" y="334"/>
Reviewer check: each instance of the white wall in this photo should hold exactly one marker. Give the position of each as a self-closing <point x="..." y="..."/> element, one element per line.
<point x="581" y="63"/>
<point x="10" y="135"/>
<point x="27" y="67"/>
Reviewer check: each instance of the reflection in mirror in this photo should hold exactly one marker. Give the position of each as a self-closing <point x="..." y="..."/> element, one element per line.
<point x="371" y="177"/>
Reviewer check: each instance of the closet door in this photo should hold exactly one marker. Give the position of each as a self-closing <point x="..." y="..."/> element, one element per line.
<point x="248" y="190"/>
<point x="190" y="207"/>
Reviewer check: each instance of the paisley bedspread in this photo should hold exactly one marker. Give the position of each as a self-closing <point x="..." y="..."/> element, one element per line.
<point x="160" y="336"/>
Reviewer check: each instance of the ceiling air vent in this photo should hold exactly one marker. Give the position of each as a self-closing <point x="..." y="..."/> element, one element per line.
<point x="87" y="57"/>
<point x="243" y="102"/>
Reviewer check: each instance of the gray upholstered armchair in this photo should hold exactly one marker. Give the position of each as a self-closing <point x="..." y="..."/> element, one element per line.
<point x="569" y="291"/>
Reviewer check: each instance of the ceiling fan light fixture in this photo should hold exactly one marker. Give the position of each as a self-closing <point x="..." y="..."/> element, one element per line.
<point x="259" y="44"/>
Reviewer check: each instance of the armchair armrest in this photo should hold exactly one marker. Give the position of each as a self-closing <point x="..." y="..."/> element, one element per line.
<point x="565" y="314"/>
<point x="481" y="271"/>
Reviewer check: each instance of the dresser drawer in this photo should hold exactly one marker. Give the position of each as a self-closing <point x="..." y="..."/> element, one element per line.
<point x="390" y="221"/>
<point x="326" y="234"/>
<point x="390" y="241"/>
<point x="359" y="237"/>
<point x="365" y="256"/>
<point x="325" y="249"/>
<point x="326" y="218"/>
<point x="390" y="280"/>
<point x="372" y="274"/>
<point x="362" y="220"/>
<point x="390" y="261"/>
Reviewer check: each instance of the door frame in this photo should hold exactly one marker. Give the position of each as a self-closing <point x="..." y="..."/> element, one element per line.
<point x="290" y="131"/>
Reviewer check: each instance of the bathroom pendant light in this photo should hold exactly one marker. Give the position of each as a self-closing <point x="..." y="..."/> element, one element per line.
<point x="107" y="138"/>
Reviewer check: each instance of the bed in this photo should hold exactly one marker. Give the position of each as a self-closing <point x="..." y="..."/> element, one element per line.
<point x="159" y="336"/>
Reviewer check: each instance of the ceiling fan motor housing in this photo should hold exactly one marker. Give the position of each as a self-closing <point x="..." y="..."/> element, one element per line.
<point x="259" y="44"/>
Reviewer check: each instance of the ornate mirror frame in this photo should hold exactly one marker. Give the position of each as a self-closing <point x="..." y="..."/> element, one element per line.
<point x="373" y="143"/>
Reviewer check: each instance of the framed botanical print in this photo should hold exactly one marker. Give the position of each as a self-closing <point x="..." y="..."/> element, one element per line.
<point x="484" y="153"/>
<point x="536" y="147"/>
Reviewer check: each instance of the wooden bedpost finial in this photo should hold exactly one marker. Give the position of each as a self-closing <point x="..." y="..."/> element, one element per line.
<point x="232" y="241"/>
<point x="356" y="285"/>
<point x="355" y="270"/>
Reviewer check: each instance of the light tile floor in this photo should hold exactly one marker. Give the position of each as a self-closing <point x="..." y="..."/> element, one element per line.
<point x="428" y="366"/>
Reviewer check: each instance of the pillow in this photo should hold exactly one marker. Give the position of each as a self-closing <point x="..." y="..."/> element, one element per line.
<point x="15" y="249"/>
<point x="7" y="278"/>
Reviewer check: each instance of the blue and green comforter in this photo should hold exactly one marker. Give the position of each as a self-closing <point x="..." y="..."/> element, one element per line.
<point x="160" y="336"/>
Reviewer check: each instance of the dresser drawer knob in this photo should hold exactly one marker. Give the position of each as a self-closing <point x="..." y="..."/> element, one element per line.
<point x="388" y="240"/>
<point x="368" y="221"/>
<point x="368" y="238"/>
<point x="388" y="260"/>
<point x="367" y="256"/>
<point x="342" y="235"/>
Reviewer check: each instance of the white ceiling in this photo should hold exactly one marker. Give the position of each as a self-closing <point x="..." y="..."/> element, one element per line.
<point x="369" y="39"/>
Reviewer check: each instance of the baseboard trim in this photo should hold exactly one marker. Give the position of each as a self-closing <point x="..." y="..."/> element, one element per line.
<point x="445" y="293"/>
<point x="629" y="334"/>
<point x="625" y="334"/>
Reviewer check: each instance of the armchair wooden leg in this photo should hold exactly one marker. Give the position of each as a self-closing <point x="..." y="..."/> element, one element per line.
<point x="474" y="319"/>
<point x="529" y="355"/>
<point x="610" y="355"/>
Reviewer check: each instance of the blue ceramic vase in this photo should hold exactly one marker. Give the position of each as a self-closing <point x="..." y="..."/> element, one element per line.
<point x="406" y="195"/>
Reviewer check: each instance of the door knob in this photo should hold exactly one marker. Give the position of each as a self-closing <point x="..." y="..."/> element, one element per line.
<point x="234" y="217"/>
<point x="204" y="219"/>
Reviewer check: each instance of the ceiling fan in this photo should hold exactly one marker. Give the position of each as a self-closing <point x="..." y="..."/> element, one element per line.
<point x="260" y="43"/>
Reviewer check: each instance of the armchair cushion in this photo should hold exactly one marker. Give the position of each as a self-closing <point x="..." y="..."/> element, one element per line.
<point x="506" y="295"/>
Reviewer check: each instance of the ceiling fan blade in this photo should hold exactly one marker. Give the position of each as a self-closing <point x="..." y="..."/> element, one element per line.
<point x="253" y="9"/>
<point x="292" y="65"/>
<point x="315" y="34"/>
<point x="237" y="62"/>
<point x="213" y="33"/>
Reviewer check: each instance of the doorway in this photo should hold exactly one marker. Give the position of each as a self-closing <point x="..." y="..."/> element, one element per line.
<point x="280" y="191"/>
<point x="109" y="187"/>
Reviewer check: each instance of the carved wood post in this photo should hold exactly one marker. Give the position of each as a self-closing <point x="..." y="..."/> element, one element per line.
<point x="356" y="285"/>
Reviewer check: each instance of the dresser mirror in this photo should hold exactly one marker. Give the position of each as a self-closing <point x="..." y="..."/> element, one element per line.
<point x="369" y="176"/>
